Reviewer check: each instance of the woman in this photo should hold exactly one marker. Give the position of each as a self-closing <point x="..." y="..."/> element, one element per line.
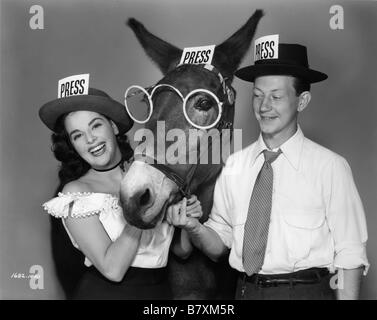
<point x="124" y="262"/>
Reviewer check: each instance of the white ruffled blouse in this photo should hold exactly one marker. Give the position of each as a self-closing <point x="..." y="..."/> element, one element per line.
<point x="154" y="243"/>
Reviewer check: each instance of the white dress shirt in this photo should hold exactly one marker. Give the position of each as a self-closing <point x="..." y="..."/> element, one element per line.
<point x="154" y="244"/>
<point x="317" y="218"/>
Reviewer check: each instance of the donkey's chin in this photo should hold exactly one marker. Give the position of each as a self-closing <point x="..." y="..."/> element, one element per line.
<point x="138" y="222"/>
<point x="148" y="219"/>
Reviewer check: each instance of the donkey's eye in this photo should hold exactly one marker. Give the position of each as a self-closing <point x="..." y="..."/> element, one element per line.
<point x="204" y="104"/>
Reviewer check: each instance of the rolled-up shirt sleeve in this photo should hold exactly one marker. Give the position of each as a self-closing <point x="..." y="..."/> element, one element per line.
<point x="346" y="218"/>
<point x="218" y="219"/>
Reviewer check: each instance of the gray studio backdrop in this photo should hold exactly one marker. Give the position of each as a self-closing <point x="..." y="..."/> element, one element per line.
<point x="91" y="37"/>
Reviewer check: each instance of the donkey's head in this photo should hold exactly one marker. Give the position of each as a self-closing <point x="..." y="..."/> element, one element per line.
<point x="179" y="112"/>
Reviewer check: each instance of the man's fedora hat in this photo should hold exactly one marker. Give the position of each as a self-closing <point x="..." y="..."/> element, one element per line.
<point x="75" y="95"/>
<point x="274" y="58"/>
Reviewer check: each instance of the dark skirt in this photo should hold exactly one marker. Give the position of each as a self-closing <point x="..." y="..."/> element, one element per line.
<point x="137" y="284"/>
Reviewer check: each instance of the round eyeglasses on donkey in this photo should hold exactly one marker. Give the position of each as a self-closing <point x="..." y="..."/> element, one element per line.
<point x="147" y="98"/>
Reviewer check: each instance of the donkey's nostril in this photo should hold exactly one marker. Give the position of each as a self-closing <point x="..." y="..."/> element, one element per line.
<point x="144" y="198"/>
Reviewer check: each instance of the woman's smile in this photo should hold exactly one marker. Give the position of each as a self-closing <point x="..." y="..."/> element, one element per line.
<point x="98" y="150"/>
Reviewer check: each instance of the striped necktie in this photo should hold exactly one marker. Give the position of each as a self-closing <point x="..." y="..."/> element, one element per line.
<point x="258" y="217"/>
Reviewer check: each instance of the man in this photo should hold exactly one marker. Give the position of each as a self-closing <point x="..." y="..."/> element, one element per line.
<point x="291" y="212"/>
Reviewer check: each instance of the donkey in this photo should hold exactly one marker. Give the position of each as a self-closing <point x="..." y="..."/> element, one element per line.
<point x="150" y="186"/>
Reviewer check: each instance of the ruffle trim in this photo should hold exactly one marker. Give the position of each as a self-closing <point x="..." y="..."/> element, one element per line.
<point x="56" y="214"/>
<point x="80" y="204"/>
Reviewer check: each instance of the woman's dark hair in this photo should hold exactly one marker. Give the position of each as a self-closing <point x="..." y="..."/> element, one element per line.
<point x="72" y="165"/>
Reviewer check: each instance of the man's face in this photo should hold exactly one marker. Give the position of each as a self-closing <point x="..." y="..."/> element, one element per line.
<point x="275" y="106"/>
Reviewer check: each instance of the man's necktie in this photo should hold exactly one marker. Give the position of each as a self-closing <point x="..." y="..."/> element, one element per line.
<point x="258" y="217"/>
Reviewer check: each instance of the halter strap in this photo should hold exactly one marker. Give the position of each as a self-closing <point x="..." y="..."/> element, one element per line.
<point x="226" y="90"/>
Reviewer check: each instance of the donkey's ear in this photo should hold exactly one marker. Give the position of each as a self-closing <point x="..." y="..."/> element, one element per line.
<point x="228" y="55"/>
<point x="162" y="53"/>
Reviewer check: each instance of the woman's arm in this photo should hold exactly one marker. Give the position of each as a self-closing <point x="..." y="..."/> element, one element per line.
<point x="112" y="259"/>
<point x="181" y="245"/>
<point x="180" y="215"/>
<point x="194" y="233"/>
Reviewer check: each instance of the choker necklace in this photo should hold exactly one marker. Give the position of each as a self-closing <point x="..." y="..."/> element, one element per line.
<point x="120" y="163"/>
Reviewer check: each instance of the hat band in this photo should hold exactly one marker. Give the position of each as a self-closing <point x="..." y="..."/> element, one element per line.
<point x="282" y="62"/>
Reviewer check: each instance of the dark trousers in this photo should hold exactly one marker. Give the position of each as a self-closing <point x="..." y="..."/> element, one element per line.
<point x="137" y="284"/>
<point x="247" y="290"/>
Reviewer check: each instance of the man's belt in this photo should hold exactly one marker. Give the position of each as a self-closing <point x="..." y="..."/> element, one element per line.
<point x="308" y="276"/>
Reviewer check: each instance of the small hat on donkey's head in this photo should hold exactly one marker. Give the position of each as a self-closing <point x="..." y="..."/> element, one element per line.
<point x="274" y="58"/>
<point x="74" y="94"/>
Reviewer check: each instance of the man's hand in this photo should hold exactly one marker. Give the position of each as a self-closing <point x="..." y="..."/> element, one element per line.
<point x="185" y="214"/>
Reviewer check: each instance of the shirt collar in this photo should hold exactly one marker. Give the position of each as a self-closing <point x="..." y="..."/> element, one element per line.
<point x="291" y="149"/>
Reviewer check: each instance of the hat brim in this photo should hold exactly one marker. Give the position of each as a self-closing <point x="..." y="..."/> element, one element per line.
<point x="251" y="72"/>
<point x="114" y="110"/>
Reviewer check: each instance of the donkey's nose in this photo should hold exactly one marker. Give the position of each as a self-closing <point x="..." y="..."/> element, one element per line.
<point x="143" y="198"/>
<point x="138" y="201"/>
<point x="136" y="205"/>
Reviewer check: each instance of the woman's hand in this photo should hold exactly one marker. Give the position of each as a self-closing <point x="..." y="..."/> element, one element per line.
<point x="185" y="214"/>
